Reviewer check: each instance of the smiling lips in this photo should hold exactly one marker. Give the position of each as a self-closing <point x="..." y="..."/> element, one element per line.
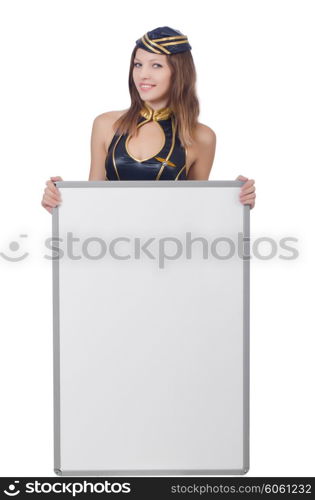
<point x="146" y="86"/>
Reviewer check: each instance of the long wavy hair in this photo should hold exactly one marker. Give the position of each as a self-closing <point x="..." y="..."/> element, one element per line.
<point x="183" y="99"/>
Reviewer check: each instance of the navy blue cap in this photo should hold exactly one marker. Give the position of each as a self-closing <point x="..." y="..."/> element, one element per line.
<point x="164" y="40"/>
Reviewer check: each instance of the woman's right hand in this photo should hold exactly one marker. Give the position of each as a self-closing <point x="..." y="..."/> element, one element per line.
<point x="51" y="197"/>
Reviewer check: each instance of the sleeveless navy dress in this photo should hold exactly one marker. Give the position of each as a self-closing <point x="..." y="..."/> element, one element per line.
<point x="168" y="164"/>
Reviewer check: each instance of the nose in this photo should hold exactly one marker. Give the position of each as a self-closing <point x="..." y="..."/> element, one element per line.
<point x="145" y="72"/>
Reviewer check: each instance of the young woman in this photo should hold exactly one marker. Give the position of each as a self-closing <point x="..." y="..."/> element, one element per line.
<point x="159" y="136"/>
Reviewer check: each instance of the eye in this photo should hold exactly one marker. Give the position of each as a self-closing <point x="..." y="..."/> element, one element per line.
<point x="155" y="64"/>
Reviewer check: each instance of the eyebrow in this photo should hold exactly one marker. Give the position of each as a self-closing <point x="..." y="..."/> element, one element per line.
<point x="154" y="59"/>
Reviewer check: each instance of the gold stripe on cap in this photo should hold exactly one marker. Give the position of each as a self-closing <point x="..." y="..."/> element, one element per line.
<point x="169" y="38"/>
<point x="149" y="47"/>
<point x="156" y="44"/>
<point x="174" y="43"/>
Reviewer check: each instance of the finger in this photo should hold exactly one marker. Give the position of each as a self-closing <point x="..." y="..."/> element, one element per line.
<point x="53" y="180"/>
<point x="52" y="198"/>
<point x="248" y="197"/>
<point x="53" y="194"/>
<point x="52" y="186"/>
<point x="251" y="203"/>
<point x="47" y="208"/>
<point x="251" y="189"/>
<point x="241" y="178"/>
<point x="248" y="184"/>
<point x="51" y="183"/>
<point x="50" y="201"/>
<point x="48" y="204"/>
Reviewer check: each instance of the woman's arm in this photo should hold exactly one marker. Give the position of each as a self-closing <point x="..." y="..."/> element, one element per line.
<point x="98" y="148"/>
<point x="203" y="153"/>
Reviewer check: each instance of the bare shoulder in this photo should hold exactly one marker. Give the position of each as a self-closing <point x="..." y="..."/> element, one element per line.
<point x="110" y="116"/>
<point x="204" y="135"/>
<point x="204" y="144"/>
<point x="104" y="123"/>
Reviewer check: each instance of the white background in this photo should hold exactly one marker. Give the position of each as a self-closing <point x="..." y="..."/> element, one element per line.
<point x="63" y="63"/>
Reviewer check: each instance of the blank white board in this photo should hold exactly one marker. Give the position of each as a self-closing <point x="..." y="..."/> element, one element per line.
<point x="151" y="328"/>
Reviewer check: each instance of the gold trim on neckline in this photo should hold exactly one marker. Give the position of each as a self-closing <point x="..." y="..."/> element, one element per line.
<point x="155" y="114"/>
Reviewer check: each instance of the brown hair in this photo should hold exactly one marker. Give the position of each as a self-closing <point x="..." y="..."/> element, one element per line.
<point x="182" y="99"/>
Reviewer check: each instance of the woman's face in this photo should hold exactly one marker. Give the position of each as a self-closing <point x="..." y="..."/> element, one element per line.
<point x="153" y="70"/>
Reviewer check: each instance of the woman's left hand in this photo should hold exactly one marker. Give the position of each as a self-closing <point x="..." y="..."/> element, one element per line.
<point x="247" y="194"/>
